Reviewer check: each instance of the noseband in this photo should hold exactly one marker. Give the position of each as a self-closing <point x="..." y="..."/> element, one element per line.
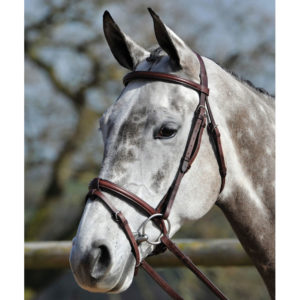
<point x="160" y="214"/>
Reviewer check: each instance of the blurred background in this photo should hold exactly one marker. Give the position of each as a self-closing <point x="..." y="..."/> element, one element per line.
<point x="71" y="78"/>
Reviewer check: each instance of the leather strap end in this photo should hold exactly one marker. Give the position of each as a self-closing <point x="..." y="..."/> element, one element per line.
<point x="185" y="165"/>
<point x="223" y="172"/>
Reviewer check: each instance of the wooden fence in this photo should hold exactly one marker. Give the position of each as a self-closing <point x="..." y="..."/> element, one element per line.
<point x="210" y="252"/>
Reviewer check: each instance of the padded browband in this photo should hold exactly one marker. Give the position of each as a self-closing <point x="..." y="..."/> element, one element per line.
<point x="138" y="75"/>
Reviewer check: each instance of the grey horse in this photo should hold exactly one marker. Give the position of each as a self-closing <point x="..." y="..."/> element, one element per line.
<point x="101" y="257"/>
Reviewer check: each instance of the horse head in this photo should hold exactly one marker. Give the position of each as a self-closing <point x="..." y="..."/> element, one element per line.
<point x="144" y="133"/>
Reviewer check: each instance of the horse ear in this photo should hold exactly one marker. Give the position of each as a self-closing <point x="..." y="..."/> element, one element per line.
<point x="124" y="49"/>
<point x="172" y="44"/>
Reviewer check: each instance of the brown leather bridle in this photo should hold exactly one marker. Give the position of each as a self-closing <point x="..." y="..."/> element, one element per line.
<point x="162" y="211"/>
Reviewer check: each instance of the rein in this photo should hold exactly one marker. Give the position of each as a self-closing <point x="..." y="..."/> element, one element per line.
<point x="161" y="213"/>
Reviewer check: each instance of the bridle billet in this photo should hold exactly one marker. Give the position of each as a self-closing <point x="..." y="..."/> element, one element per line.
<point x="161" y="212"/>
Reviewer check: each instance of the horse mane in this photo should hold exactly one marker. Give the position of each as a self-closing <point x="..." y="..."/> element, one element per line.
<point x="250" y="84"/>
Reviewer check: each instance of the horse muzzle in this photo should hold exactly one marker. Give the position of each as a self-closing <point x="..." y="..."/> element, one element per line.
<point x="94" y="270"/>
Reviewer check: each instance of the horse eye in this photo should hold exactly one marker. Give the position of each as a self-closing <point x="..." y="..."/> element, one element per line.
<point x="165" y="133"/>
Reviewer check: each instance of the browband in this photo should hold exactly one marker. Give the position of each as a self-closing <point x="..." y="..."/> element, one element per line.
<point x="158" y="76"/>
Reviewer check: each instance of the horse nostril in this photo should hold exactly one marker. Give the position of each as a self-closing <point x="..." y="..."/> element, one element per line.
<point x="101" y="261"/>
